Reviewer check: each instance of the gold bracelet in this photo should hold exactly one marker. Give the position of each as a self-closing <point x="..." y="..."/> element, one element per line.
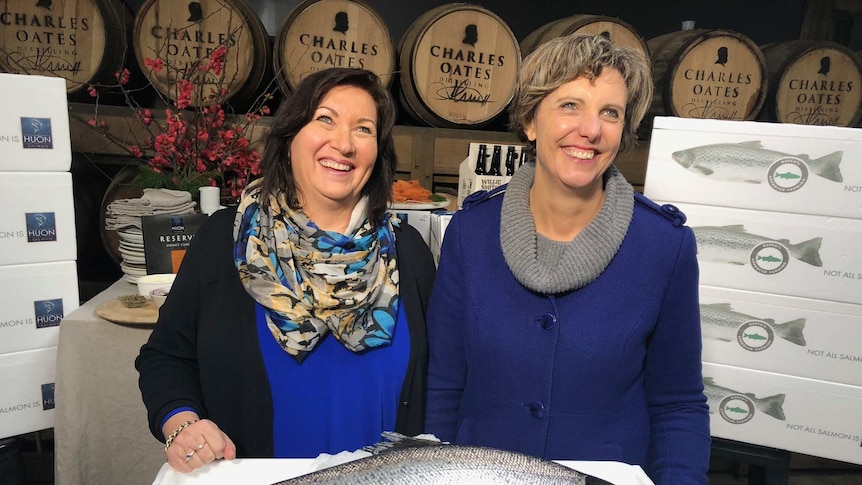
<point x="176" y="432"/>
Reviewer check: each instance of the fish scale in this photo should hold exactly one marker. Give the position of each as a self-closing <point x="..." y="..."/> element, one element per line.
<point x="447" y="464"/>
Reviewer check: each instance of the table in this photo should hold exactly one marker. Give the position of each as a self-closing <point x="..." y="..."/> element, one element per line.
<point x="101" y="434"/>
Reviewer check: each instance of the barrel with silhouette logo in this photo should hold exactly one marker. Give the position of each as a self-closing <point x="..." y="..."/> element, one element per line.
<point x="458" y="65"/>
<point x="175" y="40"/>
<point x="813" y="83"/>
<point x="613" y="28"/>
<point x="319" y="34"/>
<point x="83" y="41"/>
<point x="708" y="74"/>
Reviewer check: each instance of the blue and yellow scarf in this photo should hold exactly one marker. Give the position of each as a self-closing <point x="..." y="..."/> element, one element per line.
<point x="312" y="281"/>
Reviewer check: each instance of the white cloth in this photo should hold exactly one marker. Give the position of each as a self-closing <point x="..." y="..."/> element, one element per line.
<point x="123" y="213"/>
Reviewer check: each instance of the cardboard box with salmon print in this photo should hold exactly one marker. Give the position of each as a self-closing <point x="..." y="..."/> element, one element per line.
<point x="790" y="413"/>
<point x="772" y="252"/>
<point x="788" y="335"/>
<point x="754" y="165"/>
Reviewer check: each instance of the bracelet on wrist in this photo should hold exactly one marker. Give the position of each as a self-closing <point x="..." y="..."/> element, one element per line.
<point x="176" y="433"/>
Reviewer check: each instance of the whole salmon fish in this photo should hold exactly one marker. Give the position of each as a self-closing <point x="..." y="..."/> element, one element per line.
<point x="447" y="464"/>
<point x="749" y="162"/>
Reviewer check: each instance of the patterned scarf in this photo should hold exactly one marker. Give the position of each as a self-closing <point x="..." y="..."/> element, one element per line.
<point x="312" y="281"/>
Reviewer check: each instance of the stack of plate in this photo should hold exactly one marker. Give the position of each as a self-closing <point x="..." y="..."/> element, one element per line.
<point x="124" y="217"/>
<point x="131" y="248"/>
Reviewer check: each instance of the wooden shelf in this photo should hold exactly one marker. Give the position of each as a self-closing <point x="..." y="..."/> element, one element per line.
<point x="430" y="155"/>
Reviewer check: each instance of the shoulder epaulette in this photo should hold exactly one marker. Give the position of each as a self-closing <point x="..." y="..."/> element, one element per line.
<point x="481" y="196"/>
<point x="668" y="211"/>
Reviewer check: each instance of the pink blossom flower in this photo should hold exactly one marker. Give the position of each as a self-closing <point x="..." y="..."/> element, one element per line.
<point x="155" y="65"/>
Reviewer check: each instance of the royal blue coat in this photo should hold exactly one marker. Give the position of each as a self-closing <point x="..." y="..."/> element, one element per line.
<point x="611" y="371"/>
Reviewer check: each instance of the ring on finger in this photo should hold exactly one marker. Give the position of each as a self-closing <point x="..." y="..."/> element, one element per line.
<point x="190" y="455"/>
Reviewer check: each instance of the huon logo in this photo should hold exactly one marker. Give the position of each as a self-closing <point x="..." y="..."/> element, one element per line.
<point x="48" y="312"/>
<point x="41" y="226"/>
<point x="178" y="224"/>
<point x="36" y="133"/>
<point x="47" y="396"/>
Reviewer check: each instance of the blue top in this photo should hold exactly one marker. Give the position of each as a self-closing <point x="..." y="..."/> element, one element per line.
<point x="336" y="400"/>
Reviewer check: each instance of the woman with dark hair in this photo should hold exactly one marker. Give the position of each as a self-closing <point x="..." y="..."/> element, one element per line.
<point x="241" y="362"/>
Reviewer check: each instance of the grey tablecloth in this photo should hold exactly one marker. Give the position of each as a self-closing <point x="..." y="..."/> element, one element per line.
<point x="100" y="431"/>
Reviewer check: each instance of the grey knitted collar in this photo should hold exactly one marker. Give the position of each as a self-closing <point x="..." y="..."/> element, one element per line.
<point x="587" y="255"/>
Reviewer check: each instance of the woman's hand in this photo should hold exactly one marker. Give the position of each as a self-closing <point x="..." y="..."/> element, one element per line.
<point x="197" y="444"/>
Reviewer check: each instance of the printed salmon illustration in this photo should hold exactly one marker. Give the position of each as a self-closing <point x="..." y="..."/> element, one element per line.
<point x="718" y="321"/>
<point x="749" y="162"/>
<point x="733" y="245"/>
<point x="715" y="394"/>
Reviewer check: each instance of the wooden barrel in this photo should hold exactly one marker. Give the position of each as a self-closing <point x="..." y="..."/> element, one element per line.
<point x="708" y="74"/>
<point x="319" y="34"/>
<point x="82" y="41"/>
<point x="613" y="28"/>
<point x="183" y="35"/>
<point x="813" y="83"/>
<point x="458" y="65"/>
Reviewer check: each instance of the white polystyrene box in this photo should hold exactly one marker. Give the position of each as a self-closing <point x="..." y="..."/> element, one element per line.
<point x="790" y="413"/>
<point x="419" y="219"/>
<point x="34" y="124"/>
<point x="787" y="335"/>
<point x="34" y="298"/>
<point x="771" y="252"/>
<point x="37" y="220"/>
<point x="27" y="401"/>
<point x="770" y="166"/>
<point x="439" y="223"/>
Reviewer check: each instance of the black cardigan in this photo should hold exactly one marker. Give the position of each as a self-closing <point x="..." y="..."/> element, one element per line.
<point x="204" y="351"/>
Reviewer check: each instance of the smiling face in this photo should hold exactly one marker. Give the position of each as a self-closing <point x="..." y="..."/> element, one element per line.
<point x="333" y="155"/>
<point x="577" y="129"/>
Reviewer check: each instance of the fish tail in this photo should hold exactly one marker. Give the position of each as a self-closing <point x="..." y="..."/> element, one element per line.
<point x="827" y="166"/>
<point x="808" y="251"/>
<point x="792" y="331"/>
<point x="772" y="406"/>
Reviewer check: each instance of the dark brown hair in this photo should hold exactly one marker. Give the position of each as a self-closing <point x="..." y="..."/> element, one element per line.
<point x="297" y="111"/>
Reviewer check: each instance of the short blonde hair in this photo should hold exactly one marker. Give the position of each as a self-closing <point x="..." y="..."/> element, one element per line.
<point x="567" y="58"/>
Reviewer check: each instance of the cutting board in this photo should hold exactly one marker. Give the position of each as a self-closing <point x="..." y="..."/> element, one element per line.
<point x="114" y="311"/>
